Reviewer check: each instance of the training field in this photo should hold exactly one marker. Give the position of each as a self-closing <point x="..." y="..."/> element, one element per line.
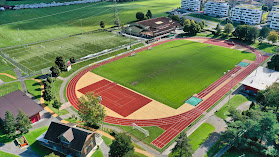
<point x="174" y="71"/>
<point x="38" y="56"/>
<point x="48" y="23"/>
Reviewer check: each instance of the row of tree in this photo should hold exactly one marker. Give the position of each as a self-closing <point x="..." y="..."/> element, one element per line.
<point x="140" y="15"/>
<point x="192" y="27"/>
<point x="21" y="123"/>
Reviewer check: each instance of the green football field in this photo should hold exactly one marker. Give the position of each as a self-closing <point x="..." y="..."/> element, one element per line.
<point x="172" y="72"/>
<point x="48" y="23"/>
<point x="42" y="55"/>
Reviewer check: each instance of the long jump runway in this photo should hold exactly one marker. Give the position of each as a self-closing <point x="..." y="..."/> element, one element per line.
<point x="175" y="124"/>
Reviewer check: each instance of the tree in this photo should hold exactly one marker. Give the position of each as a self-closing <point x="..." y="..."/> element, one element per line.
<point x="121" y="145"/>
<point x="47" y="85"/>
<point x="202" y="24"/>
<point x="218" y="30"/>
<point x="264" y="33"/>
<point x="265" y="8"/>
<point x="56" y="104"/>
<point x="90" y="109"/>
<point x="9" y="124"/>
<point x="51" y="155"/>
<point x="252" y="33"/>
<point x="274" y="63"/>
<point x="272" y="36"/>
<point x="228" y="28"/>
<point x="55" y="72"/>
<point x="61" y="63"/>
<point x="175" y="18"/>
<point x="72" y="60"/>
<point x="23" y="123"/>
<point x="246" y="32"/>
<point x="48" y="95"/>
<point x="140" y="16"/>
<point x="149" y="14"/>
<point x="102" y="24"/>
<point x="48" y="80"/>
<point x="269" y="96"/>
<point x="182" y="147"/>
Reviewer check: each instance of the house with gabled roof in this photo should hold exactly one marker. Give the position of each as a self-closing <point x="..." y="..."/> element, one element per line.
<point x="68" y="140"/>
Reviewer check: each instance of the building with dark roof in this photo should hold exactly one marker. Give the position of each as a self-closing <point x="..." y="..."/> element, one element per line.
<point x="68" y="140"/>
<point x="16" y="101"/>
<point x="151" y="28"/>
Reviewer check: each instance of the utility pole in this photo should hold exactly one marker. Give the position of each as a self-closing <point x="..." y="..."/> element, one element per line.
<point x="116" y="15"/>
<point x="19" y="36"/>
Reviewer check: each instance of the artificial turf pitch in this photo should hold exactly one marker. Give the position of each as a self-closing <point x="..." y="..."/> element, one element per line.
<point x="174" y="71"/>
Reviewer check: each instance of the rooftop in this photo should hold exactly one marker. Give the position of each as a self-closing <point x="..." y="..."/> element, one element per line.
<point x="248" y="6"/>
<point x="157" y="22"/>
<point x="261" y="78"/>
<point x="17" y="100"/>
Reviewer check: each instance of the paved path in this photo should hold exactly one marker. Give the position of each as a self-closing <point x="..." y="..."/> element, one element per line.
<point x="21" y="78"/>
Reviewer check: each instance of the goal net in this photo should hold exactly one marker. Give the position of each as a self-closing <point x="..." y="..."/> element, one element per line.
<point x="135" y="126"/>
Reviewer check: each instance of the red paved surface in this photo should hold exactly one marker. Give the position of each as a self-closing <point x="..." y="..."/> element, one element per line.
<point x="175" y="124"/>
<point x="117" y="98"/>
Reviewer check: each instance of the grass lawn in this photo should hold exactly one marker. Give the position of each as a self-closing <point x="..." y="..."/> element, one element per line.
<point x="139" y="154"/>
<point x="154" y="132"/>
<point x="72" y="120"/>
<point x="48" y="23"/>
<point x="97" y="153"/>
<point x="6" y="78"/>
<point x="34" y="144"/>
<point x="5" y="66"/>
<point x="174" y="71"/>
<point x="234" y="102"/>
<point x="205" y="17"/>
<point x="38" y="56"/>
<point x="200" y="135"/>
<point x="265" y="47"/>
<point x="10" y="87"/>
<point x="4" y="154"/>
<point x="107" y="140"/>
<point x="33" y="88"/>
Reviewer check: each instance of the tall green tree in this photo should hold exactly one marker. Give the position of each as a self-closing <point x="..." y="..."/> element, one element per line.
<point x="56" y="104"/>
<point x="218" y="29"/>
<point x="149" y="14"/>
<point x="175" y="18"/>
<point x="272" y="36"/>
<point x="9" y="124"/>
<point x="102" y="24"/>
<point x="270" y="96"/>
<point x="90" y="109"/>
<point x="61" y="63"/>
<point x="23" y="123"/>
<point x="121" y="145"/>
<point x="55" y="72"/>
<point x="263" y="33"/>
<point x="274" y="63"/>
<point x="202" y="24"/>
<point x="246" y="32"/>
<point x="182" y="147"/>
<point x="48" y="94"/>
<point x="139" y="15"/>
<point x="265" y="8"/>
<point x="228" y="28"/>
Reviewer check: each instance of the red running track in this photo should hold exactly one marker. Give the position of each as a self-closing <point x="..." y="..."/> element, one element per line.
<point x="117" y="98"/>
<point x="175" y="124"/>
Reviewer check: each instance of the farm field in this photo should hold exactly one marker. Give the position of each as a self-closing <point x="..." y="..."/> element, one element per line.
<point x="174" y="71"/>
<point x="38" y="56"/>
<point x="48" y="23"/>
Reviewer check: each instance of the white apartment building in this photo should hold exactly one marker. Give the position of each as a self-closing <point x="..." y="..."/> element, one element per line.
<point x="247" y="14"/>
<point x="273" y="18"/>
<point x="191" y="5"/>
<point x="217" y="9"/>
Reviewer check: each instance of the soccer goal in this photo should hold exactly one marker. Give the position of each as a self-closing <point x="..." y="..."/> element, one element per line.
<point x="135" y="126"/>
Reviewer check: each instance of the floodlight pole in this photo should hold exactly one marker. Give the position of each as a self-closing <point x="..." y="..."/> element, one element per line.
<point x="81" y="25"/>
<point x="130" y="36"/>
<point x="19" y="36"/>
<point x="60" y="51"/>
<point x="230" y="90"/>
<point x="52" y="84"/>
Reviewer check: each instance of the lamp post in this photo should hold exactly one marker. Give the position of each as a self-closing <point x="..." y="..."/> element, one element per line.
<point x="130" y="36"/>
<point x="230" y="90"/>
